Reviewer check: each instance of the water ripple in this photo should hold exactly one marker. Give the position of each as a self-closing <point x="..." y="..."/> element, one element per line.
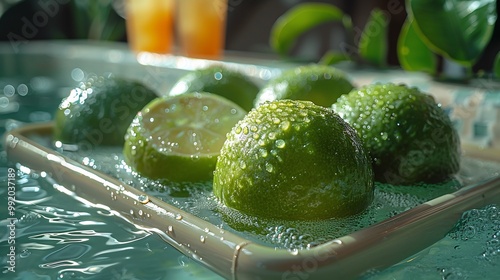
<point x="73" y="252"/>
<point x="57" y="264"/>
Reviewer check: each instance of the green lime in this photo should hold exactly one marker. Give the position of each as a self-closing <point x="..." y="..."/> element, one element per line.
<point x="99" y="111"/>
<point x="408" y="135"/>
<point x="179" y="138"/>
<point x="293" y="160"/>
<point x="219" y="80"/>
<point x="320" y="84"/>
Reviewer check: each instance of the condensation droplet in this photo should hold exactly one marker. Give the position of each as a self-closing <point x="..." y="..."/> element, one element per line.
<point x="243" y="165"/>
<point x="280" y="143"/>
<point x="143" y="199"/>
<point x="263" y="152"/>
<point x="294" y="251"/>
<point x="269" y="167"/>
<point x="384" y="135"/>
<point x="285" y="125"/>
<point x="245" y="130"/>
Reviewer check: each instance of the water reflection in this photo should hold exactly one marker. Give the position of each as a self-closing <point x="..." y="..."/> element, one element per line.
<point x="471" y="250"/>
<point x="58" y="237"/>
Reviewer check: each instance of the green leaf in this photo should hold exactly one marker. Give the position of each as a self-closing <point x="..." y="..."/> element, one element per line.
<point x="413" y="53"/>
<point x="456" y="29"/>
<point x="496" y="66"/>
<point x="373" y="40"/>
<point x="333" y="57"/>
<point x="299" y="20"/>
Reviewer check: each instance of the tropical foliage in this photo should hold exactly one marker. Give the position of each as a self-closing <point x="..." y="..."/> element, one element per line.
<point x="456" y="30"/>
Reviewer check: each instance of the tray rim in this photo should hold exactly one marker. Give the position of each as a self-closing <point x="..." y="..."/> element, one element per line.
<point x="234" y="257"/>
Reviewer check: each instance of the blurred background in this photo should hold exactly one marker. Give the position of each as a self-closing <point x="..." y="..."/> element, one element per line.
<point x="247" y="29"/>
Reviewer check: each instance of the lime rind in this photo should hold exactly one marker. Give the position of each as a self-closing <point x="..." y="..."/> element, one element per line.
<point x="321" y="84"/>
<point x="99" y="111"/>
<point x="408" y="135"/>
<point x="219" y="80"/>
<point x="293" y="160"/>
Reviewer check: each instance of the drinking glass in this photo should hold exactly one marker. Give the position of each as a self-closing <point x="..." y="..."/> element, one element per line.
<point x="201" y="27"/>
<point x="150" y="25"/>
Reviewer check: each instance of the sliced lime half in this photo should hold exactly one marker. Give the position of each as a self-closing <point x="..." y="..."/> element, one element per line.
<point x="179" y="138"/>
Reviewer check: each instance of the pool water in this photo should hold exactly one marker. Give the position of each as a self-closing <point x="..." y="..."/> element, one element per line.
<point x="471" y="250"/>
<point x="57" y="237"/>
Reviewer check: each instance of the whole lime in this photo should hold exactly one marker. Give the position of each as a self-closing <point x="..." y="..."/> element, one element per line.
<point x="220" y="80"/>
<point x="99" y="111"/>
<point x="408" y="135"/>
<point x="321" y="84"/>
<point x="293" y="160"/>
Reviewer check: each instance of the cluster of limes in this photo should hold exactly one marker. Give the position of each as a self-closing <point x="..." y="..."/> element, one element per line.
<point x="307" y="145"/>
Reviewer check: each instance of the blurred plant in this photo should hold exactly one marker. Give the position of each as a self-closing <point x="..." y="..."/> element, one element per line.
<point x="457" y="30"/>
<point x="71" y="19"/>
<point x="6" y="4"/>
<point x="98" y="20"/>
<point x="300" y="20"/>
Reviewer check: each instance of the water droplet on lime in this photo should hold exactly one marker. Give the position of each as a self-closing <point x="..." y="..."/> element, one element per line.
<point x="280" y="143"/>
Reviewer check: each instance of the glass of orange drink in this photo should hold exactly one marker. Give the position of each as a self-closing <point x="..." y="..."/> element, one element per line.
<point x="201" y="27"/>
<point x="150" y="25"/>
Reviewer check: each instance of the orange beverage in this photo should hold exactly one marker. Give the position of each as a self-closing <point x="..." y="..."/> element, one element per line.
<point x="201" y="27"/>
<point x="150" y="25"/>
